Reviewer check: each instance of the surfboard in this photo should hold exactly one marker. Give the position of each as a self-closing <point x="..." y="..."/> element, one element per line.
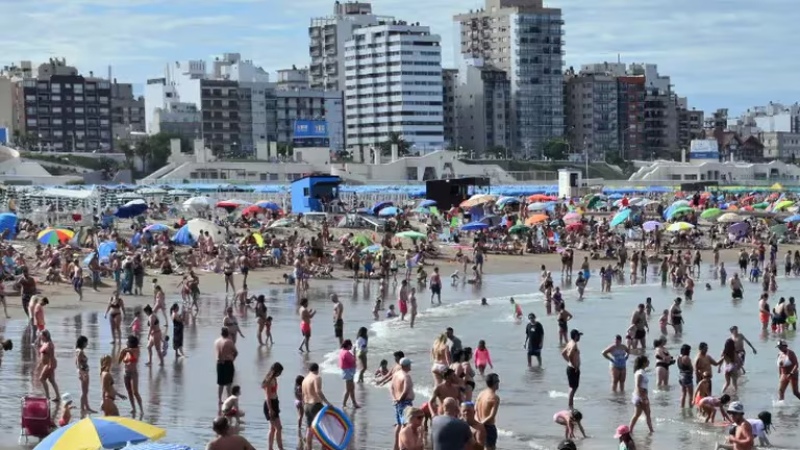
<point x="333" y="428"/>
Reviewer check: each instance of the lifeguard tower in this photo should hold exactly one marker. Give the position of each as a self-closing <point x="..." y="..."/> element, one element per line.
<point x="309" y="192"/>
<point x="569" y="183"/>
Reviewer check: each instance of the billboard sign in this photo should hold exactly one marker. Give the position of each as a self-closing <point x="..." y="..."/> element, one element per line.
<point x="310" y="129"/>
<point x="3" y="135"/>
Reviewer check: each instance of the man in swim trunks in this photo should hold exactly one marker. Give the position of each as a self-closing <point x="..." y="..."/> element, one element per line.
<point x="306" y="314"/>
<point x="739" y="340"/>
<point x="27" y="286"/>
<point x="534" y="339"/>
<point x="703" y="363"/>
<point x="455" y="343"/>
<point x="225" y="350"/>
<point x="402" y="390"/>
<point x="572" y="355"/>
<point x="448" y="388"/>
<point x="313" y="399"/>
<point x="639" y="322"/>
<point x="338" y="320"/>
<point x="486" y="407"/>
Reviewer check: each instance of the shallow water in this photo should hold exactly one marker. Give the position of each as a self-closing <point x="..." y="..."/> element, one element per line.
<point x="182" y="395"/>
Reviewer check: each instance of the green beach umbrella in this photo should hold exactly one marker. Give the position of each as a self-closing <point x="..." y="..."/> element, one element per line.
<point x="411" y="235"/>
<point x="762" y="205"/>
<point x="519" y="229"/>
<point x="711" y="214"/>
<point x="361" y="240"/>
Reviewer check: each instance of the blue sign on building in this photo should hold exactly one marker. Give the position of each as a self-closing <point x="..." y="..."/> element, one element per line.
<point x="3" y="135"/>
<point x="310" y="129"/>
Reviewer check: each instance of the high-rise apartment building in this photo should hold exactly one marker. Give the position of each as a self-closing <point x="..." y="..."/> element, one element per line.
<point x="292" y="79"/>
<point x="393" y="76"/>
<point x="592" y="111"/>
<point x="690" y="124"/>
<point x="308" y="105"/>
<point x="524" y="39"/>
<point x="63" y="110"/>
<point x="449" y="83"/>
<point x="127" y="113"/>
<point x="328" y="36"/>
<point x="630" y="90"/>
<point x="483" y="106"/>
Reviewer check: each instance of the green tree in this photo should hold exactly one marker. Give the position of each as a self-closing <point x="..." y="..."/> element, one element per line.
<point x="555" y="149"/>
<point x="285" y="149"/>
<point x="142" y="151"/>
<point x="126" y="149"/>
<point x="403" y="147"/>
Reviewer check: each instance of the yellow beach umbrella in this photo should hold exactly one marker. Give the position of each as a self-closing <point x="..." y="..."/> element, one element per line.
<point x="680" y="226"/>
<point x="95" y="433"/>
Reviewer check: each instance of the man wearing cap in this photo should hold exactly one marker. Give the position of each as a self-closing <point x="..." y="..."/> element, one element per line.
<point x="572" y="355"/>
<point x="402" y="389"/>
<point x="742" y="438"/>
<point x="534" y="339"/>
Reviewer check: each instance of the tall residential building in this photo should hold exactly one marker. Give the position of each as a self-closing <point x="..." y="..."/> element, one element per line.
<point x="781" y="145"/>
<point x="449" y="83"/>
<point x="631" y="116"/>
<point x="328" y="36"/>
<point x="180" y="119"/>
<point x="6" y="104"/>
<point x="592" y="112"/>
<point x="690" y="124"/>
<point x="773" y="117"/>
<point x="127" y="112"/>
<point x="394" y="85"/>
<point x="64" y="110"/>
<point x="524" y="39"/>
<point x="483" y="106"/>
<point x="308" y="104"/>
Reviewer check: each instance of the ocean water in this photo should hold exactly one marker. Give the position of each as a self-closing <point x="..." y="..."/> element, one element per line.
<point x="181" y="396"/>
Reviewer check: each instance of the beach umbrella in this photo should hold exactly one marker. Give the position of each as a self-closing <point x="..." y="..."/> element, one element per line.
<point x="215" y="232"/>
<point x="474" y="226"/>
<point x="680" y="226"/>
<point x="762" y="205"/>
<point x="389" y="211"/>
<point x="88" y="259"/>
<point x="94" y="433"/>
<point x="541" y="198"/>
<point x="620" y="217"/>
<point x="256" y="237"/>
<point x="680" y="203"/>
<point x="197" y="203"/>
<point x="576" y="226"/>
<point x="281" y="223"/>
<point x="375" y="248"/>
<point x="711" y="214"/>
<point x="794" y="218"/>
<point x="269" y="205"/>
<point x="538" y="206"/>
<point x="503" y="201"/>
<point x="779" y="229"/>
<point x="594" y="202"/>
<point x="739" y="228"/>
<point x="572" y="217"/>
<point x="105" y="249"/>
<point x="54" y="236"/>
<point x="137" y="201"/>
<point x="411" y="235"/>
<point x="361" y="240"/>
<point x="729" y="218"/>
<point x="782" y="204"/>
<point x="379" y="206"/>
<point x="252" y="210"/>
<point x="476" y="200"/>
<point x="519" y="229"/>
<point x="156" y="228"/>
<point x="427" y="203"/>
<point x="652" y="225"/>
<point x="157" y="446"/>
<point x="536" y="218"/>
<point x="8" y="221"/>
<point x="126" y="212"/>
<point x="679" y="211"/>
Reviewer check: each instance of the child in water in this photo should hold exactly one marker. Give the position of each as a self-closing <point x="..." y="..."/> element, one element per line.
<point x="648" y="307"/>
<point x="484" y="302"/>
<point x="136" y="325"/>
<point x="482" y="357"/>
<point x="391" y="314"/>
<point x="66" y="410"/>
<point x="517" y="310"/>
<point x="376" y="307"/>
<point x="230" y="407"/>
<point x="268" y="330"/>
<point x="164" y="346"/>
<point x="298" y="400"/>
<point x="454" y="278"/>
<point x="581" y="284"/>
<point x="663" y="321"/>
<point x="708" y="286"/>
<point x="569" y="419"/>
<point x="709" y="405"/>
<point x="383" y="369"/>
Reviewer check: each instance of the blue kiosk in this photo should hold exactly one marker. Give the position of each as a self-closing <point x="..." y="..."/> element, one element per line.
<point x="308" y="192"/>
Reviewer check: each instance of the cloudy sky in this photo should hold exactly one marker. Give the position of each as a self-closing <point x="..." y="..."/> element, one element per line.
<point x="720" y="53"/>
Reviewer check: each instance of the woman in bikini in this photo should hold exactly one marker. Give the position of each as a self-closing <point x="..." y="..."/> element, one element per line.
<point x="82" y="364"/>
<point x="153" y="336"/>
<point x="37" y="313"/>
<point x="440" y="355"/>
<point x="160" y="304"/>
<point x="48" y="364"/>
<point x="116" y="311"/>
<point x="129" y="358"/>
<point x="732" y="365"/>
<point x="108" y="392"/>
<point x="227" y="270"/>
<point x="232" y="324"/>
<point x="178" y="322"/>
<point x="260" y="309"/>
<point x="272" y="408"/>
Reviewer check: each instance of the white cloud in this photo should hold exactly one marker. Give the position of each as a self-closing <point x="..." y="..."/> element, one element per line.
<point x="710" y="50"/>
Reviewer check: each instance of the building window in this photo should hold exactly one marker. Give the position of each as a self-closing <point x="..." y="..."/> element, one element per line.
<point x="55" y="88"/>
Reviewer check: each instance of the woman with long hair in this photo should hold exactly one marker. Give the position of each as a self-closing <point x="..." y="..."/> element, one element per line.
<point x="440" y="355"/>
<point x="732" y="364"/>
<point x="48" y="364"/>
<point x="272" y="405"/>
<point x="153" y="336"/>
<point x="362" y="339"/>
<point x="260" y="310"/>
<point x="82" y="364"/>
<point x="468" y="373"/>
<point x="107" y="388"/>
<point x="178" y="321"/>
<point x="116" y="309"/>
<point x="686" y="375"/>
<point x="663" y="361"/>
<point x="640" y="398"/>
<point x="129" y="358"/>
<point x="347" y="362"/>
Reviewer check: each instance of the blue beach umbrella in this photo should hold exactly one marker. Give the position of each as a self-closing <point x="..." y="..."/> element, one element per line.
<point x="8" y="221"/>
<point x="474" y="226"/>
<point x="104" y="250"/>
<point x="269" y="205"/>
<point x="156" y="228"/>
<point x="388" y="212"/>
<point x="794" y="218"/>
<point x="427" y="203"/>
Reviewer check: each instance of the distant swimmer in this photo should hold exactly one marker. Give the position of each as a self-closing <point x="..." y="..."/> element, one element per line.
<point x="517" y="309"/>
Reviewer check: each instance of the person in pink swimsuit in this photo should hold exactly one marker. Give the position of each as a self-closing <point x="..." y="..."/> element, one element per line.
<point x="482" y="357"/>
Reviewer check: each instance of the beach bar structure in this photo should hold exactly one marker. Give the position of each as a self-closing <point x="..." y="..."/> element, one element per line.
<point x="451" y="192"/>
<point x="311" y="193"/>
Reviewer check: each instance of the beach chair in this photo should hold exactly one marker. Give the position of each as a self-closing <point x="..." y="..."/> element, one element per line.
<point x="35" y="418"/>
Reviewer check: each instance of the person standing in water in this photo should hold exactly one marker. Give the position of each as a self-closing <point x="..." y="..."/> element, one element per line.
<point x="534" y="339"/>
<point x="486" y="407"/>
<point x="436" y="286"/>
<point x="338" y="319"/>
<point x="617" y="354"/>
<point x="313" y="400"/>
<point x="402" y="390"/>
<point x="402" y="299"/>
<point x="306" y="314"/>
<point x="572" y="355"/>
<point x="226" y="353"/>
<point x="739" y="339"/>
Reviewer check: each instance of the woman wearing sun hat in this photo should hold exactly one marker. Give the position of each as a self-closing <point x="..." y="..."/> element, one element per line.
<point x="625" y="439"/>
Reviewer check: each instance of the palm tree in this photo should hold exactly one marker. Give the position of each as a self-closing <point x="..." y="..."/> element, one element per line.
<point x="403" y="147"/>
<point x="143" y="152"/>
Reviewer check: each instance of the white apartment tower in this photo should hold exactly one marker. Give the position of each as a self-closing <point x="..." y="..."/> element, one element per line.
<point x="393" y="76"/>
<point x="524" y="39"/>
<point x="327" y="40"/>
